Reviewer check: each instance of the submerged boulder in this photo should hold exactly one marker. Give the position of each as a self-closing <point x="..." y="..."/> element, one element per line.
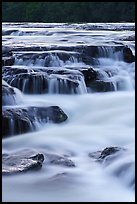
<point x="56" y="159"/>
<point x="21" y="161"/>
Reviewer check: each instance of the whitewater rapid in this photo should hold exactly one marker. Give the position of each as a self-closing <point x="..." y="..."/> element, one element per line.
<point x="95" y="121"/>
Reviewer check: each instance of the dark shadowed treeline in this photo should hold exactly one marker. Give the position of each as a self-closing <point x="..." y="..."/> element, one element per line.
<point x="72" y="12"/>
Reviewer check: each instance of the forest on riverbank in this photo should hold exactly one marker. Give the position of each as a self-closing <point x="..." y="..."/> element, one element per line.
<point x="71" y="12"/>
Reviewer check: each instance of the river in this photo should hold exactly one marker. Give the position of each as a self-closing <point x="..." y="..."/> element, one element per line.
<point x="99" y="115"/>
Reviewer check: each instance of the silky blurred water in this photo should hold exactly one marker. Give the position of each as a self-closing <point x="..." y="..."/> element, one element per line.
<point x="95" y="121"/>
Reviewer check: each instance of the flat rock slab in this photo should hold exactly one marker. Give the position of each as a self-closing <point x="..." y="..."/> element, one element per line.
<point x="39" y="81"/>
<point x="21" y="161"/>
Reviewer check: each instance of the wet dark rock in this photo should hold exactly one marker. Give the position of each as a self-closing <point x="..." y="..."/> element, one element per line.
<point x="90" y="75"/>
<point x="56" y="159"/>
<point x="108" y="155"/>
<point x="38" y="80"/>
<point x="64" y="56"/>
<point x="96" y="80"/>
<point x="11" y="71"/>
<point x="33" y="83"/>
<point x="80" y="53"/>
<point x="14" y="70"/>
<point x="8" y="61"/>
<point x="29" y="159"/>
<point x="49" y="57"/>
<point x="38" y="83"/>
<point x="27" y="80"/>
<point x="16" y="121"/>
<point x="21" y="161"/>
<point x="64" y="52"/>
<point x="128" y="55"/>
<point x="91" y="51"/>
<point x="109" y="151"/>
<point x="101" y="86"/>
<point x="22" y="120"/>
<point x="6" y="52"/>
<point x="8" y="32"/>
<point x="51" y="113"/>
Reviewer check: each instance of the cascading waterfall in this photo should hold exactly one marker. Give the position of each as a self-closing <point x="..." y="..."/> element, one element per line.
<point x="10" y="95"/>
<point x="61" y="85"/>
<point x="110" y="52"/>
<point x="69" y="94"/>
<point x="122" y="76"/>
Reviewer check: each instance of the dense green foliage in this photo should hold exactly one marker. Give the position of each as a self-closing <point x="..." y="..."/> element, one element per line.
<point x="68" y="12"/>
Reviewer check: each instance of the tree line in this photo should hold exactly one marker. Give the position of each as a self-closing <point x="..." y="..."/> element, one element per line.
<point x="70" y="12"/>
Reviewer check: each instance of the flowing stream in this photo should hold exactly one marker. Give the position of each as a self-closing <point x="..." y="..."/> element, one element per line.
<point x="100" y="114"/>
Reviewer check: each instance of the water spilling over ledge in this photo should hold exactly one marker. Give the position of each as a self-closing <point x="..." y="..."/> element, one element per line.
<point x="68" y="96"/>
